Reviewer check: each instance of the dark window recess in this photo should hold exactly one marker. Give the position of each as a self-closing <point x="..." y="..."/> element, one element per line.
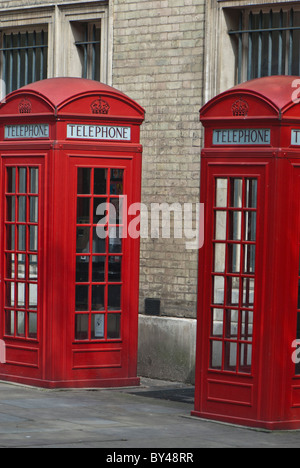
<point x="152" y="307"/>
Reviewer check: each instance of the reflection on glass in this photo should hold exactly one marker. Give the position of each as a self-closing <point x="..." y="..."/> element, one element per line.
<point x="221" y="225"/>
<point x="22" y="238"/>
<point x="21" y="266"/>
<point x="33" y="267"/>
<point x="217" y="322"/>
<point x="21" y="295"/>
<point x="34" y="180"/>
<point x="235" y="225"/>
<point x="221" y="193"/>
<point x="113" y="326"/>
<point x="249" y="259"/>
<point x="216" y="355"/>
<point x="32" y="325"/>
<point x="11" y="208"/>
<point x="236" y="193"/>
<point x="233" y="290"/>
<point x="218" y="291"/>
<point x="250" y="226"/>
<point x="20" y="323"/>
<point x="251" y="193"/>
<point x="231" y="327"/>
<point x="34" y="212"/>
<point x="230" y="357"/>
<point x="33" y="296"/>
<point x="10" y="294"/>
<point x="83" y="210"/>
<point x="234" y="258"/>
<point x="100" y="184"/>
<point x="82" y="269"/>
<point x="22" y="180"/>
<point x="81" y="327"/>
<point x="245" y="357"/>
<point x="99" y="239"/>
<point x="33" y="231"/>
<point x="10" y="266"/>
<point x="115" y="239"/>
<point x="83" y="239"/>
<point x="248" y="292"/>
<point x="22" y="209"/>
<point x="219" y="258"/>
<point x="10" y="237"/>
<point x="247" y="325"/>
<point x="100" y="215"/>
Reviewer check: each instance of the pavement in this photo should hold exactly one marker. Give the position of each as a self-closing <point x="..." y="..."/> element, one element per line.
<point x="155" y="415"/>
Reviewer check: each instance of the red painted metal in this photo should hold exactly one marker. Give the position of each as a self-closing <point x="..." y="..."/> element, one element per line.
<point x="69" y="302"/>
<point x="247" y="369"/>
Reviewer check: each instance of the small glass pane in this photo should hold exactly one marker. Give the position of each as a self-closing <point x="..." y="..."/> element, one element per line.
<point x="33" y="267"/>
<point x="116" y="211"/>
<point x="34" y="180"/>
<point x="22" y="209"/>
<point x="22" y="180"/>
<point x="10" y="294"/>
<point x="218" y="291"/>
<point x="221" y="193"/>
<point x="81" y="327"/>
<point x="99" y="239"/>
<point x="82" y="269"/>
<point x="98" y="326"/>
<point x="21" y="274"/>
<point x="216" y="355"/>
<point x="246" y="325"/>
<point x="84" y="181"/>
<point x="10" y="208"/>
<point x="233" y="291"/>
<point x="83" y="210"/>
<point x="113" y="326"/>
<point x="20" y="323"/>
<point x="115" y="269"/>
<point x="99" y="263"/>
<point x="98" y="297"/>
<point x="249" y="259"/>
<point x="116" y="182"/>
<point x="115" y="239"/>
<point x="219" y="258"/>
<point x="10" y="266"/>
<point x="100" y="184"/>
<point x="236" y="199"/>
<point x="83" y="239"/>
<point x="22" y="238"/>
<point x="21" y="295"/>
<point x="217" y="322"/>
<point x="248" y="292"/>
<point x="33" y="231"/>
<point x="221" y="225"/>
<point x="11" y="180"/>
<point x="33" y="296"/>
<point x="100" y="215"/>
<point x="230" y="358"/>
<point x="250" y="226"/>
<point x="34" y="209"/>
<point x="234" y="258"/>
<point x="32" y="325"/>
<point x="9" y="322"/>
<point x="235" y="225"/>
<point x="10" y="237"/>
<point x="231" y="327"/>
<point x="82" y="297"/>
<point x="114" y="297"/>
<point x="245" y="358"/>
<point x="251" y="193"/>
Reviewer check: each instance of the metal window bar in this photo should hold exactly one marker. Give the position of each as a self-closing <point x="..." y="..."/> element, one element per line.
<point x="252" y="33"/>
<point x="20" y="61"/>
<point x="89" y="48"/>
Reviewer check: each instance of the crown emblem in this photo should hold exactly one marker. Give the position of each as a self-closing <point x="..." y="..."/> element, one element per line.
<point x="240" y="108"/>
<point x="25" y="107"/>
<point x="100" y="107"/>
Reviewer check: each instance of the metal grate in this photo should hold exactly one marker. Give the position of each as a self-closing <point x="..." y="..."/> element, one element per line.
<point x="24" y="58"/>
<point x="267" y="44"/>
<point x="90" y="50"/>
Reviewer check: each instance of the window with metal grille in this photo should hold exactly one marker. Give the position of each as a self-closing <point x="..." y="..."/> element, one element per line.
<point x="24" y="58"/>
<point x="267" y="43"/>
<point x="89" y="50"/>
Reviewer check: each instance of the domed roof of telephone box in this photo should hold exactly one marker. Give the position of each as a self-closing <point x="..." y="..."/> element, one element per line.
<point x="71" y="96"/>
<point x="274" y="96"/>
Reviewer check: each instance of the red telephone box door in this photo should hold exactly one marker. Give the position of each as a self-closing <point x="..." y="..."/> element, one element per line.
<point x="102" y="329"/>
<point x="231" y="310"/>
<point x="22" y="240"/>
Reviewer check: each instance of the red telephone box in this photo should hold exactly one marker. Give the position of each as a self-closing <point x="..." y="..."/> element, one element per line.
<point x="70" y="166"/>
<point x="248" y="369"/>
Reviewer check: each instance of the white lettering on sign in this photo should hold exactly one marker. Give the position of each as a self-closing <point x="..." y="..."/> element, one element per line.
<point x="31" y="131"/>
<point x="295" y="138"/>
<point x="242" y="136"/>
<point x="98" y="132"/>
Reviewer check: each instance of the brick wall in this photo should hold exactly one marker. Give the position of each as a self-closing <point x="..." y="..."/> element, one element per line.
<point x="158" y="61"/>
